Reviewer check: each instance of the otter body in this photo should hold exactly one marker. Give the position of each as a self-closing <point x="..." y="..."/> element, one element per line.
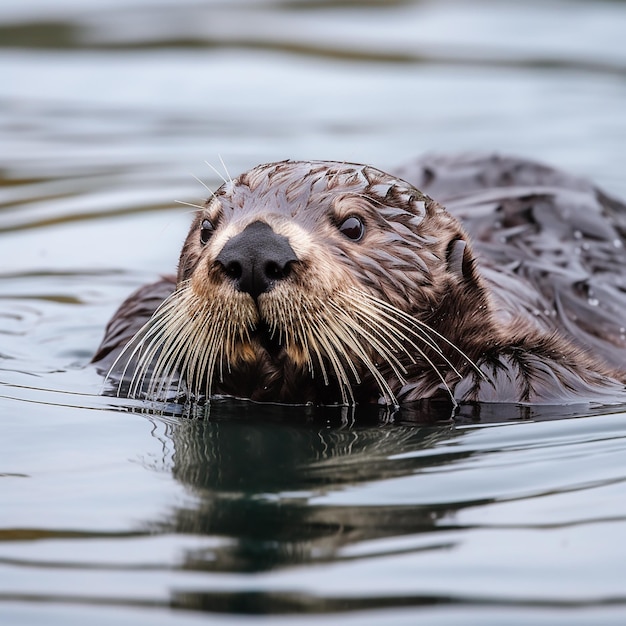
<point x="333" y="283"/>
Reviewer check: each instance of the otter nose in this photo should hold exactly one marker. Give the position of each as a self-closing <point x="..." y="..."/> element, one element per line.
<point x="257" y="258"/>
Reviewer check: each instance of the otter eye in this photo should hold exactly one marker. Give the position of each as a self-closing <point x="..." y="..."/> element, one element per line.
<point x="206" y="231"/>
<point x="353" y="228"/>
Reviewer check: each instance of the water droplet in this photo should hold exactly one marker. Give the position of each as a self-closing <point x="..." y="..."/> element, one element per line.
<point x="593" y="301"/>
<point x="617" y="243"/>
<point x="578" y="234"/>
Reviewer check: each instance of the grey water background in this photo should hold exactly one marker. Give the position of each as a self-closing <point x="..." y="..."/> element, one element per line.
<point x="112" y="513"/>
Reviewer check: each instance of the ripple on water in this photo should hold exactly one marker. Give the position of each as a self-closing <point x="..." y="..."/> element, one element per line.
<point x="114" y="512"/>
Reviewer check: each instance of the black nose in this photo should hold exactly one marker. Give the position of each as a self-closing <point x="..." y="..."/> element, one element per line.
<point x="257" y="258"/>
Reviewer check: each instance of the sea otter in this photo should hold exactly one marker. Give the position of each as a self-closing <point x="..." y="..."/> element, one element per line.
<point x="337" y="283"/>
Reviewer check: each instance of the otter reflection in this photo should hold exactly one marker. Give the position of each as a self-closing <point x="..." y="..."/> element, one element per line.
<point x="262" y="478"/>
<point x="280" y="487"/>
<point x="256" y="479"/>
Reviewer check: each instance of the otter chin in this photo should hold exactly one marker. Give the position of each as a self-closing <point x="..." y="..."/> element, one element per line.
<point x="337" y="283"/>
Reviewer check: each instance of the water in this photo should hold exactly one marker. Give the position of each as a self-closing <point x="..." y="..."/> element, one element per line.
<point x="110" y="512"/>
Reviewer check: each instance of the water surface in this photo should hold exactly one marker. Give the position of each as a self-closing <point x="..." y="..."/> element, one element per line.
<point x="111" y="511"/>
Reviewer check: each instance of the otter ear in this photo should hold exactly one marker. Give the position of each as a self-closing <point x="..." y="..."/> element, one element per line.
<point x="455" y="257"/>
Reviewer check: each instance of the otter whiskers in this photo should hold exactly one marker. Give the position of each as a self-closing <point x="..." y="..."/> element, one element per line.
<point x="413" y="325"/>
<point x="185" y="337"/>
<point x="195" y="343"/>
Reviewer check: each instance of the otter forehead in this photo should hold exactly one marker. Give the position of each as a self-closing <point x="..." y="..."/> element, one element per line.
<point x="303" y="188"/>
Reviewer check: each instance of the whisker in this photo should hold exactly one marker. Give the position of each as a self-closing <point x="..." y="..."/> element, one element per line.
<point x="357" y="346"/>
<point x="335" y="361"/>
<point x="205" y="185"/>
<point x="426" y="328"/>
<point x="370" y="305"/>
<point x="372" y="309"/>
<point x="155" y="349"/>
<point x="454" y="347"/>
<point x="337" y="335"/>
<point x="349" y="329"/>
<point x="214" y="354"/>
<point x="192" y="344"/>
<point x="225" y="180"/>
<point x="137" y="341"/>
<point x="225" y="168"/>
<point x="176" y="330"/>
<point x="191" y="204"/>
<point x="173" y="353"/>
<point x="396" y="337"/>
<point x="301" y="325"/>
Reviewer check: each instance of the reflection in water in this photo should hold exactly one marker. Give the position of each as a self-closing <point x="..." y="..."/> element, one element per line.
<point x="261" y="485"/>
<point x="293" y="487"/>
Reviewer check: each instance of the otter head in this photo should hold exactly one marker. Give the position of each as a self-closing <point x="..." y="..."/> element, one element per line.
<point x="320" y="282"/>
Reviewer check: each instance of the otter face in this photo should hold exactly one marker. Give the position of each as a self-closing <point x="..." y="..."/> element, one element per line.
<point x="335" y="224"/>
<point x="309" y="279"/>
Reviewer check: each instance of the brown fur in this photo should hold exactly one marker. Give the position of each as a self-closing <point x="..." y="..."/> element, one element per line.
<point x="451" y="335"/>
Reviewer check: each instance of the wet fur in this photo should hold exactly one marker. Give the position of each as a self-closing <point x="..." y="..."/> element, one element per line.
<point x="452" y="321"/>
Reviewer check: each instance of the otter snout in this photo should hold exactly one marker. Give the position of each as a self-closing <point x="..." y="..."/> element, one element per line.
<point x="256" y="259"/>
